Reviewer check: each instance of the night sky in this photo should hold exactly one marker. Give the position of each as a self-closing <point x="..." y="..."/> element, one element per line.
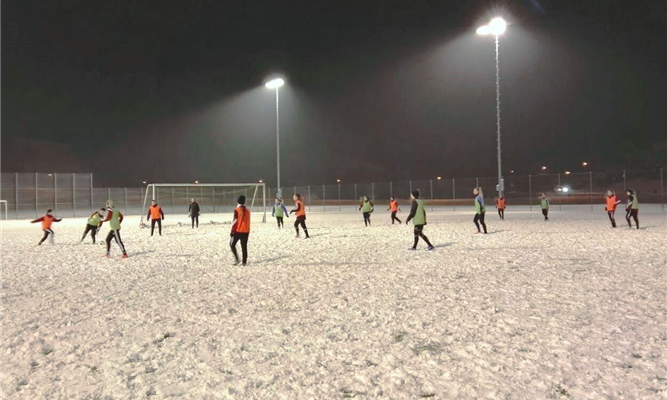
<point x="172" y="91"/>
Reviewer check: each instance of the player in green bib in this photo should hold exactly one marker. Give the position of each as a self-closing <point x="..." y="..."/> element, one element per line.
<point x="279" y="211"/>
<point x="632" y="208"/>
<point x="544" y="203"/>
<point x="418" y="217"/>
<point x="366" y="207"/>
<point x="93" y="223"/>
<point x="480" y="209"/>
<point x="115" y="218"/>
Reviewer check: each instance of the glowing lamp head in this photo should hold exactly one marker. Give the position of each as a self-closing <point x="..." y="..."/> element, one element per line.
<point x="544" y="168"/>
<point x="261" y="181"/>
<point x="338" y="180"/>
<point x="274" y="84"/>
<point x="496" y="27"/>
<point x="196" y="181"/>
<point x="566" y="189"/>
<point x="583" y="164"/>
<point x="440" y="178"/>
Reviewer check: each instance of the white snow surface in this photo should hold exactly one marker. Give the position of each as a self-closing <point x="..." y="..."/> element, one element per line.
<point x="568" y="308"/>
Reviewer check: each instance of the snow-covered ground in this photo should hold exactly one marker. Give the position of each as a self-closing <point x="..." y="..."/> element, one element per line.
<point x="568" y="308"/>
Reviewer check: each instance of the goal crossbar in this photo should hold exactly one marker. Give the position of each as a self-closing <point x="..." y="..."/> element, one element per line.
<point x="151" y="188"/>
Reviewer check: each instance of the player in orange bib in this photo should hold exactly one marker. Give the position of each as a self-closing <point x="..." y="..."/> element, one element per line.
<point x="610" y="206"/>
<point x="300" y="210"/>
<point x="156" y="216"/>
<point x="393" y="207"/>
<point x="240" y="230"/>
<point x="500" y="205"/>
<point x="47" y="220"/>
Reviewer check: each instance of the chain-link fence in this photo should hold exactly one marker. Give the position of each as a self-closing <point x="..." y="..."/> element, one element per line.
<point x="28" y="195"/>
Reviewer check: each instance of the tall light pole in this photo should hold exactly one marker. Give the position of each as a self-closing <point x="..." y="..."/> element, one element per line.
<point x="276" y="84"/>
<point x="496" y="27"/>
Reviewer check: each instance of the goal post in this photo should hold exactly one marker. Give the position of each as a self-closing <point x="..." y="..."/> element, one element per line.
<point x="213" y="198"/>
<point x="3" y="209"/>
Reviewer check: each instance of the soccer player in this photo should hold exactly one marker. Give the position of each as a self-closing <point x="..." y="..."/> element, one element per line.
<point x="156" y="215"/>
<point x="240" y="230"/>
<point x="115" y="218"/>
<point x="92" y="225"/>
<point x="500" y="205"/>
<point x="610" y="208"/>
<point x="544" y="203"/>
<point x="480" y="209"/>
<point x="632" y="208"/>
<point x="300" y="210"/>
<point x="393" y="207"/>
<point x="193" y="212"/>
<point x="47" y="220"/>
<point x="367" y="208"/>
<point x="418" y="217"/>
<point x="279" y="211"/>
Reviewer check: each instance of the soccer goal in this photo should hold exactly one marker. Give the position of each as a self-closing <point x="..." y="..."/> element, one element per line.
<point x="213" y="198"/>
<point x="3" y="208"/>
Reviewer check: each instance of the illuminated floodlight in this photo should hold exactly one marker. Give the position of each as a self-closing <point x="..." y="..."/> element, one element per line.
<point x="566" y="189"/>
<point x="274" y="84"/>
<point x="496" y="27"/>
<point x="567" y="172"/>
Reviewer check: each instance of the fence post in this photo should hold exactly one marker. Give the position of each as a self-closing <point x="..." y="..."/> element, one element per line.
<point x="560" y="195"/>
<point x="355" y="192"/>
<point x="530" y="192"/>
<point x="36" y="197"/>
<point x="662" y="191"/>
<point x="74" y="194"/>
<point x="126" y="201"/>
<point x="16" y="194"/>
<point x="373" y="191"/>
<point x="324" y="197"/>
<point x="91" y="193"/>
<point x="477" y="182"/>
<point x="108" y="193"/>
<point x="625" y="185"/>
<point x="431" y="181"/>
<point x="172" y="200"/>
<point x="295" y="190"/>
<point x="391" y="189"/>
<point x="339" y="197"/>
<point x="309" y="202"/>
<point x="591" y="189"/>
<point x="55" y="191"/>
<point x="454" y="192"/>
<point x="410" y="186"/>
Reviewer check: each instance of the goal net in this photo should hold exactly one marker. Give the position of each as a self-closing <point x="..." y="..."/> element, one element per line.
<point x="213" y="198"/>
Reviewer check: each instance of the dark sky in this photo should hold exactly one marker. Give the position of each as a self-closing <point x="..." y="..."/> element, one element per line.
<point x="376" y="90"/>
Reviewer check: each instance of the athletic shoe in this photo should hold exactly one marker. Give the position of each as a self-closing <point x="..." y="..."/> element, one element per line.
<point x="107" y="256"/>
<point x="430" y="248"/>
<point x="477" y="233"/>
<point x="244" y="264"/>
<point x="412" y="248"/>
<point x="124" y="256"/>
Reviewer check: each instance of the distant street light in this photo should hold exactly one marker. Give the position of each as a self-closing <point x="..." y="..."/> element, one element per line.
<point x="261" y="181"/>
<point x="496" y="27"/>
<point x="567" y="172"/>
<point x="511" y="171"/>
<point x="144" y="182"/>
<point x="544" y="168"/>
<point x="275" y="84"/>
<point x="584" y="164"/>
<point x="196" y="181"/>
<point x="440" y="178"/>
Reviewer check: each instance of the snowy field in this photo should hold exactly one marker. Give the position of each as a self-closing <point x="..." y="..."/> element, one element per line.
<point x="569" y="308"/>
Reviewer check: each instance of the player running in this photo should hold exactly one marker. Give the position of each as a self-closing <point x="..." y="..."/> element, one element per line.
<point x="47" y="220"/>
<point x="240" y="230"/>
<point x="367" y="208"/>
<point x="632" y="208"/>
<point x="480" y="209"/>
<point x="92" y="225"/>
<point x="418" y="217"/>
<point x="279" y="211"/>
<point x="610" y="208"/>
<point x="393" y="207"/>
<point x="544" y="203"/>
<point x="500" y="205"/>
<point x="300" y="211"/>
<point x="115" y="218"/>
<point x="156" y="215"/>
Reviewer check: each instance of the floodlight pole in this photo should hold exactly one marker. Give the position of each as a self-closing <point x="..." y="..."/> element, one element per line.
<point x="500" y="174"/>
<point x="278" y="138"/>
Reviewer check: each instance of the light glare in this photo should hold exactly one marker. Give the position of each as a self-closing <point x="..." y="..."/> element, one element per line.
<point x="497" y="26"/>
<point x="483" y="30"/>
<point x="274" y="84"/>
